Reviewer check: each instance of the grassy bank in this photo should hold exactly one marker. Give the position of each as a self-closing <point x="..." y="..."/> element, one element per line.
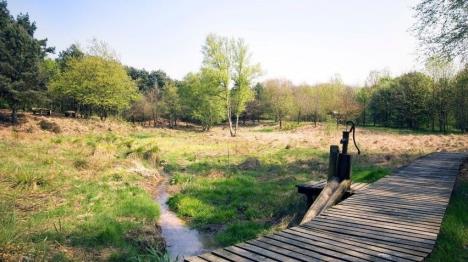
<point x="76" y="197"/>
<point x="452" y="242"/>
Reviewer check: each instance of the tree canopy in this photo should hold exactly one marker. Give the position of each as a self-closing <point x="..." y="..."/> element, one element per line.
<point x="21" y="55"/>
<point x="442" y="27"/>
<point x="96" y="84"/>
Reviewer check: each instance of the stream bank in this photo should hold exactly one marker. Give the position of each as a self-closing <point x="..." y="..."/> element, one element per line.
<point x="181" y="240"/>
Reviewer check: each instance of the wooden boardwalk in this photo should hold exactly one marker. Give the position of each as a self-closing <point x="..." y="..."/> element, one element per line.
<point x="395" y="219"/>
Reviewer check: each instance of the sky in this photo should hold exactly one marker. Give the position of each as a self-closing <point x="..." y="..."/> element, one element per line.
<point x="304" y="41"/>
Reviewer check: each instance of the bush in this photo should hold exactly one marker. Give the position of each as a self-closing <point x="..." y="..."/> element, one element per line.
<point x="49" y="126"/>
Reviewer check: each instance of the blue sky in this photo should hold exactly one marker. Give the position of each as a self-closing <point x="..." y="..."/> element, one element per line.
<point x="305" y="41"/>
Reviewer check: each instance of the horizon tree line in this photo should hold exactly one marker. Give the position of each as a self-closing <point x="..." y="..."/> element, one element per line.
<point x="93" y="81"/>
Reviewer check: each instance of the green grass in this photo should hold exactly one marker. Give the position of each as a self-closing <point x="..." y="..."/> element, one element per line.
<point x="452" y="242"/>
<point x="368" y="174"/>
<point x="217" y="194"/>
<point x="74" y="192"/>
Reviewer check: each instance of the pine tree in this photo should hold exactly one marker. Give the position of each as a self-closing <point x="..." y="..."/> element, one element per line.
<point x="20" y="58"/>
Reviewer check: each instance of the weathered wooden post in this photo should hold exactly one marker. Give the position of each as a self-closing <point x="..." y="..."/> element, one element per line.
<point x="339" y="177"/>
<point x="333" y="161"/>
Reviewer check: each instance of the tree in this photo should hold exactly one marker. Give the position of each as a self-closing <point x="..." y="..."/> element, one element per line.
<point x="171" y="104"/>
<point x="97" y="84"/>
<point x="243" y="76"/>
<point x="413" y="89"/>
<point x="20" y="58"/>
<point x="303" y="101"/>
<point x="203" y="98"/>
<point x="442" y="27"/>
<point x="441" y="71"/>
<point x="153" y="99"/>
<point x="72" y="52"/>
<point x="381" y="102"/>
<point x="227" y="61"/>
<point x="278" y="96"/>
<point x="363" y="96"/>
<point x="460" y="99"/>
<point x="217" y="63"/>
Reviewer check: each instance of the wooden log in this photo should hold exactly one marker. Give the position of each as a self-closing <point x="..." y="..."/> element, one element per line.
<point x="338" y="184"/>
<point x="330" y="195"/>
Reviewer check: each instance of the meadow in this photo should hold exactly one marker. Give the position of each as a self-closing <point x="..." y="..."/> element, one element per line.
<point x="86" y="190"/>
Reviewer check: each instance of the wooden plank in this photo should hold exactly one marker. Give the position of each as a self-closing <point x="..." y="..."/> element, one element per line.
<point x="363" y="205"/>
<point x="213" y="258"/>
<point x="282" y="250"/>
<point x="373" y="223"/>
<point x="372" y="235"/>
<point x="370" y="220"/>
<point x="194" y="259"/>
<point x="265" y="252"/>
<point x="410" y="218"/>
<point x="334" y="248"/>
<point x="397" y="247"/>
<point x="394" y="212"/>
<point x="381" y="217"/>
<point x="400" y="205"/>
<point x="282" y="243"/>
<point x="378" y="230"/>
<point x="381" y="193"/>
<point x="300" y="234"/>
<point x="330" y="252"/>
<point x="230" y="256"/>
<point x="248" y="254"/>
<point x="414" y="200"/>
<point x="409" y="245"/>
<point x="434" y="214"/>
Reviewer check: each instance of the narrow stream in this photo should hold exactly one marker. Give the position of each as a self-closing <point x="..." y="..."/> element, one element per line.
<point x="181" y="240"/>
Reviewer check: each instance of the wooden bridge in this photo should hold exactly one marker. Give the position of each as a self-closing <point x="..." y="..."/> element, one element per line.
<point x="397" y="218"/>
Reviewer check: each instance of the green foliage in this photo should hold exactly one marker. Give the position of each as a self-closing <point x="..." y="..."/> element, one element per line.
<point x="21" y="55"/>
<point x="202" y="99"/>
<point x="148" y="80"/>
<point x="226" y="60"/>
<point x="401" y="102"/>
<point x="442" y="27"/>
<point x="65" y="56"/>
<point x="239" y="232"/>
<point x="460" y="99"/>
<point x="171" y="104"/>
<point x="96" y="83"/>
<point x="278" y="97"/>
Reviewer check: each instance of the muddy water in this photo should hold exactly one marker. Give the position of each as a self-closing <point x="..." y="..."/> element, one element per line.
<point x="181" y="241"/>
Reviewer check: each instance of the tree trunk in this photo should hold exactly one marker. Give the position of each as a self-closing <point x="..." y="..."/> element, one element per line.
<point x="14" y="115"/>
<point x="237" y="124"/>
<point x="281" y="123"/>
<point x="231" y="129"/>
<point x="364" y="116"/>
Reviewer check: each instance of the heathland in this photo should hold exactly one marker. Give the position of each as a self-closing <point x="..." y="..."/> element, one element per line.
<point x="85" y="189"/>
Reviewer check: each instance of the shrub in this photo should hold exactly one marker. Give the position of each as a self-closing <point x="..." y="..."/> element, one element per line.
<point x="49" y="126"/>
